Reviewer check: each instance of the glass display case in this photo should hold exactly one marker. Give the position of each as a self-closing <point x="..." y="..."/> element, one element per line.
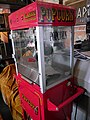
<point x="56" y="50"/>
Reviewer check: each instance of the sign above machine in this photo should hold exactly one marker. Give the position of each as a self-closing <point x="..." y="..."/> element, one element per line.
<point x="40" y="13"/>
<point x="51" y="14"/>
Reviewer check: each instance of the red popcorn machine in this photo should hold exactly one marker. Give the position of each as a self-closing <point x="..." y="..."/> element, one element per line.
<point x="42" y="36"/>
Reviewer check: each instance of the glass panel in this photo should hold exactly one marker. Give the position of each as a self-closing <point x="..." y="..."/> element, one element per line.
<point x="57" y="53"/>
<point x="26" y="53"/>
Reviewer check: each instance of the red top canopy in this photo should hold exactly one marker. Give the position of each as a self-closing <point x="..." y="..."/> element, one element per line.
<point x="42" y="13"/>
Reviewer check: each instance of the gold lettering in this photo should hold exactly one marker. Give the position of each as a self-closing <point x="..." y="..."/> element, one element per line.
<point x="59" y="15"/>
<point x="67" y="16"/>
<point x="43" y="13"/>
<point x="30" y="14"/>
<point x="63" y="15"/>
<point x="48" y="14"/>
<point x="29" y="102"/>
<point x="71" y="16"/>
<point x="53" y="14"/>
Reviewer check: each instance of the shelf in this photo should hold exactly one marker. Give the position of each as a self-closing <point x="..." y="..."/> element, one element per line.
<point x="4" y="29"/>
<point x="12" y="5"/>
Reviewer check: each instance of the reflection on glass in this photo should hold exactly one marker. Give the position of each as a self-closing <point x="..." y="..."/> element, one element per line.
<point x="57" y="53"/>
<point x="56" y="42"/>
<point x="26" y="53"/>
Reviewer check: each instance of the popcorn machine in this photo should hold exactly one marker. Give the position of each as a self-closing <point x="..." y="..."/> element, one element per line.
<point x="42" y="37"/>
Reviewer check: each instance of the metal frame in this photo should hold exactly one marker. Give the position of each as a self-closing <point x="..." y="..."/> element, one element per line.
<point x="41" y="64"/>
<point x="13" y="55"/>
<point x="72" y="50"/>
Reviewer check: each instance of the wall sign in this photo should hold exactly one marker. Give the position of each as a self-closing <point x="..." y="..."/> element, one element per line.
<point x="81" y="10"/>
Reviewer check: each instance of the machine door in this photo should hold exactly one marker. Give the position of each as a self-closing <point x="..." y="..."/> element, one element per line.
<point x="57" y="54"/>
<point x="25" y="50"/>
<point x="29" y="100"/>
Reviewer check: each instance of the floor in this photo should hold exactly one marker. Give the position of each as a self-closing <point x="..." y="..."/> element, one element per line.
<point x="4" y="110"/>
